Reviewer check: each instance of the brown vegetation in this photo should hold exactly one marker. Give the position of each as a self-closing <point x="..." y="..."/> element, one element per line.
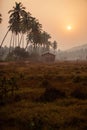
<point x="48" y="96"/>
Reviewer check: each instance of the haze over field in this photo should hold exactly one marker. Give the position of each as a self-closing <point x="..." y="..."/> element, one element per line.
<point x="65" y="20"/>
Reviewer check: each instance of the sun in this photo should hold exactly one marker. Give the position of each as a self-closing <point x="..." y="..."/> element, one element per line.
<point x="69" y="27"/>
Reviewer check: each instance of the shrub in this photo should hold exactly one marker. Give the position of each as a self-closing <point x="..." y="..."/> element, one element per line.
<point x="74" y="122"/>
<point x="80" y="79"/>
<point x="80" y="93"/>
<point x="76" y="79"/>
<point x="45" y="83"/>
<point x="52" y="94"/>
<point x="36" y="124"/>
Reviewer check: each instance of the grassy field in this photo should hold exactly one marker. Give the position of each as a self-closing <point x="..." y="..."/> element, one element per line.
<point x="48" y="96"/>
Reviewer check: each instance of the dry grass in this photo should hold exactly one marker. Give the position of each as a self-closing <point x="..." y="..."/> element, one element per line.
<point x="59" y="83"/>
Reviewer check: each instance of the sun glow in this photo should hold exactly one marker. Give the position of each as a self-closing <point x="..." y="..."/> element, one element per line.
<point x="69" y="27"/>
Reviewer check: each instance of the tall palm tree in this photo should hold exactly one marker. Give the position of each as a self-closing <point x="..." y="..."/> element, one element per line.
<point x="0" y="22"/>
<point x="34" y="36"/>
<point x="15" y="18"/>
<point x="0" y="18"/>
<point x="25" y="24"/>
<point x="45" y="40"/>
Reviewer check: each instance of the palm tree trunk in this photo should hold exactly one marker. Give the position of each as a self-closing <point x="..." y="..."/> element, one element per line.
<point x="20" y="40"/>
<point x="27" y="45"/>
<point x="13" y="42"/>
<point x="4" y="38"/>
<point x="10" y="43"/>
<point x="23" y="41"/>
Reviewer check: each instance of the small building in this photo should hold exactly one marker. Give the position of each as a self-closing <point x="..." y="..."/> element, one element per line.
<point x="48" y="57"/>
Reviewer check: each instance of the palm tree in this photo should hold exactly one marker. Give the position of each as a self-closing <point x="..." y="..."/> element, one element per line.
<point x="45" y="41"/>
<point x="54" y="45"/>
<point x="25" y="24"/>
<point x="34" y="36"/>
<point x="0" y="18"/>
<point x="15" y="19"/>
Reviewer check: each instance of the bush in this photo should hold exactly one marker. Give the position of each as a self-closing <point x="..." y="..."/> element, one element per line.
<point x="36" y="123"/>
<point x="77" y="79"/>
<point x="45" y="83"/>
<point x="80" y="93"/>
<point x="52" y="94"/>
<point x="74" y="122"/>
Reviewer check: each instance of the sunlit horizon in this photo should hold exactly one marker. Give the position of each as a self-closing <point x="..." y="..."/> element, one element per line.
<point x="64" y="20"/>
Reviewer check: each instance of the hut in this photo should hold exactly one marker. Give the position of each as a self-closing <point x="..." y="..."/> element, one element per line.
<point x="48" y="57"/>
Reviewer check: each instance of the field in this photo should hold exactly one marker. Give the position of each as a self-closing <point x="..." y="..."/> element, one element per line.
<point x="46" y="96"/>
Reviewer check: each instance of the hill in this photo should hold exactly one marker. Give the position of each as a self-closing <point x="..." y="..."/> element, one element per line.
<point x="75" y="53"/>
<point x="84" y="46"/>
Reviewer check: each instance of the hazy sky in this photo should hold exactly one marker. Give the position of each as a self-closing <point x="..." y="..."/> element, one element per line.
<point x="55" y="16"/>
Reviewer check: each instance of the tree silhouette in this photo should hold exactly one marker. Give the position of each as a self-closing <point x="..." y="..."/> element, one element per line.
<point x="21" y="23"/>
<point x="26" y="25"/>
<point x="18" y="54"/>
<point x="15" y="18"/>
<point x="45" y="40"/>
<point x="0" y="18"/>
<point x="54" y="45"/>
<point x="26" y="22"/>
<point x="34" y="36"/>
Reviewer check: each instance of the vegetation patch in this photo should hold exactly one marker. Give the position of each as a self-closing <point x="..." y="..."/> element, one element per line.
<point x="51" y="94"/>
<point x="80" y="93"/>
<point x="45" y="97"/>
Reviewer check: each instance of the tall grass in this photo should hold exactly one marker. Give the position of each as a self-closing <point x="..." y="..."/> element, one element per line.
<point x="50" y="96"/>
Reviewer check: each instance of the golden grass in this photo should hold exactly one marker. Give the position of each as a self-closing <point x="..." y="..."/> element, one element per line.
<point x="27" y="111"/>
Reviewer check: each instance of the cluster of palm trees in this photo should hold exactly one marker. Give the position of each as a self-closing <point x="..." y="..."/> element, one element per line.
<point x="21" y="24"/>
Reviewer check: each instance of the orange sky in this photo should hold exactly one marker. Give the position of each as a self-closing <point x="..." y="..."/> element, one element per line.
<point x="55" y="16"/>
